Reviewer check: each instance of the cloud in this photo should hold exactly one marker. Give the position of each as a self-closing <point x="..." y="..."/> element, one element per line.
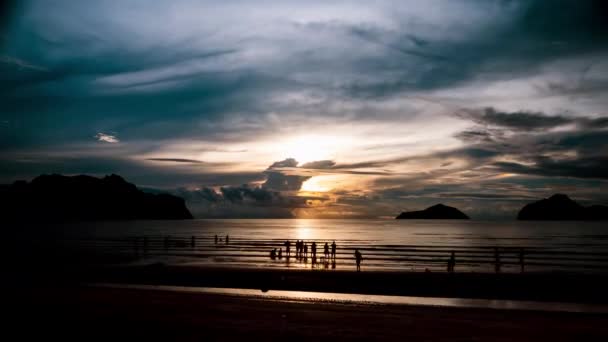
<point x="514" y="120"/>
<point x="242" y="202"/>
<point x="175" y="160"/>
<point x="21" y="64"/>
<point x="289" y="162"/>
<point x="106" y="138"/>
<point x="319" y="164"/>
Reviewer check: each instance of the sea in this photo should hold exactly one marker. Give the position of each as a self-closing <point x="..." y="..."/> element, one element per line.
<point x="385" y="244"/>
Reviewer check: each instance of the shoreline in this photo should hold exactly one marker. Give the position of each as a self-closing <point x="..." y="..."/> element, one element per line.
<point x="543" y="287"/>
<point x="377" y="300"/>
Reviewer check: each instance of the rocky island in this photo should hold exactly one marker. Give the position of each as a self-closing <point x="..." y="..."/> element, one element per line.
<point x="52" y="198"/>
<point x="560" y="207"/>
<point x="436" y="212"/>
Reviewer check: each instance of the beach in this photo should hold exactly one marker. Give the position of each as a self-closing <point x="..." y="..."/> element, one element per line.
<point x="109" y="286"/>
<point x="93" y="313"/>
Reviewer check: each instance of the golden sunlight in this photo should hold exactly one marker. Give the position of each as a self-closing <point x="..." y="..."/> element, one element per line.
<point x="308" y="148"/>
<point x="315" y="184"/>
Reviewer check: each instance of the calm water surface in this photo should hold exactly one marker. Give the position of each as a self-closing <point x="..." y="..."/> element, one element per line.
<point x="413" y="245"/>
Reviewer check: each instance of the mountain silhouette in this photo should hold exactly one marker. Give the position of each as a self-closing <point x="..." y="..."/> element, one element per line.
<point x="561" y="207"/>
<point x="436" y="212"/>
<point x="55" y="197"/>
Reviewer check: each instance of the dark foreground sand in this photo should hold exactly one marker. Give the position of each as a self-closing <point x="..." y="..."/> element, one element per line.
<point x="85" y="313"/>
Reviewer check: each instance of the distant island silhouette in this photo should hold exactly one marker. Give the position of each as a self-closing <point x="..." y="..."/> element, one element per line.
<point x="82" y="198"/>
<point x="561" y="207"/>
<point x="436" y="212"/>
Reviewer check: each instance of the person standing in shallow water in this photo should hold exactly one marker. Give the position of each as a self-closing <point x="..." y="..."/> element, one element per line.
<point x="333" y="249"/>
<point x="452" y="263"/>
<point x="227" y="238"/>
<point x="358" y="258"/>
<point x="496" y="260"/>
<point x="287" y="248"/>
<point x="326" y="251"/>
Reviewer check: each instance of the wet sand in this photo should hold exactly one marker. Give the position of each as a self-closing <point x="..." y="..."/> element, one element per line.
<point x="119" y="314"/>
<point x="557" y="287"/>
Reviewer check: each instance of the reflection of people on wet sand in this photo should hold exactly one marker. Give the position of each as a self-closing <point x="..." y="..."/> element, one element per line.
<point x="333" y="249"/>
<point x="358" y="258"/>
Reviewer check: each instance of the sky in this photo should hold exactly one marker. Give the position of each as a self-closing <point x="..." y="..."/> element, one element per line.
<point x="312" y="109"/>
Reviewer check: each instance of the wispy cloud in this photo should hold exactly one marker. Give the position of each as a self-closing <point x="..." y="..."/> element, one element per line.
<point x="108" y="138"/>
<point x="20" y="63"/>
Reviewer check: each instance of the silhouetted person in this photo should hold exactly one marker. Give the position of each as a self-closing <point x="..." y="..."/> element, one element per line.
<point x="216" y="239"/>
<point x="521" y="260"/>
<point x="452" y="263"/>
<point x="326" y="251"/>
<point x="287" y="248"/>
<point x="333" y="249"/>
<point x="273" y="254"/>
<point x="305" y="250"/>
<point x="280" y="253"/>
<point x="358" y="258"/>
<point x="313" y="250"/>
<point x="136" y="245"/>
<point x="227" y="239"/>
<point x="192" y="242"/>
<point x="145" y="245"/>
<point x="166" y="242"/>
<point x="496" y="260"/>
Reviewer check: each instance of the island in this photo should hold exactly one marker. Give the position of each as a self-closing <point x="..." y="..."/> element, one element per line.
<point x="560" y="207"/>
<point x="52" y="198"/>
<point x="436" y="212"/>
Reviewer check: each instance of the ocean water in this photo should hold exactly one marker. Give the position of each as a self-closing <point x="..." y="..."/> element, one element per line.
<point x="405" y="245"/>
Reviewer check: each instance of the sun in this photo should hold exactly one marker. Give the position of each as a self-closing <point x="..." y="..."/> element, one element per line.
<point x="316" y="184"/>
<point x="312" y="147"/>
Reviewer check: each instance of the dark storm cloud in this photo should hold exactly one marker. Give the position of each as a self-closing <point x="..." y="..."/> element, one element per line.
<point x="319" y="164"/>
<point x="243" y="202"/>
<point x="579" y="152"/>
<point x="278" y="180"/>
<point x="289" y="162"/>
<point x="152" y="73"/>
<point x="516" y="120"/>
<point x="528" y="34"/>
<point x="142" y="174"/>
<point x="596" y="167"/>
<point x="175" y="160"/>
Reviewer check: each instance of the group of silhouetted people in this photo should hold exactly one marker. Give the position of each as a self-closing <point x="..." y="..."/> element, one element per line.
<point x="497" y="261"/>
<point x="305" y="250"/>
<point x="302" y="249"/>
<point x="227" y="239"/>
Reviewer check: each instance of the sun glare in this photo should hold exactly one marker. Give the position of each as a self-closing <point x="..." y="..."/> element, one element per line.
<point x="309" y="148"/>
<point x="315" y="184"/>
